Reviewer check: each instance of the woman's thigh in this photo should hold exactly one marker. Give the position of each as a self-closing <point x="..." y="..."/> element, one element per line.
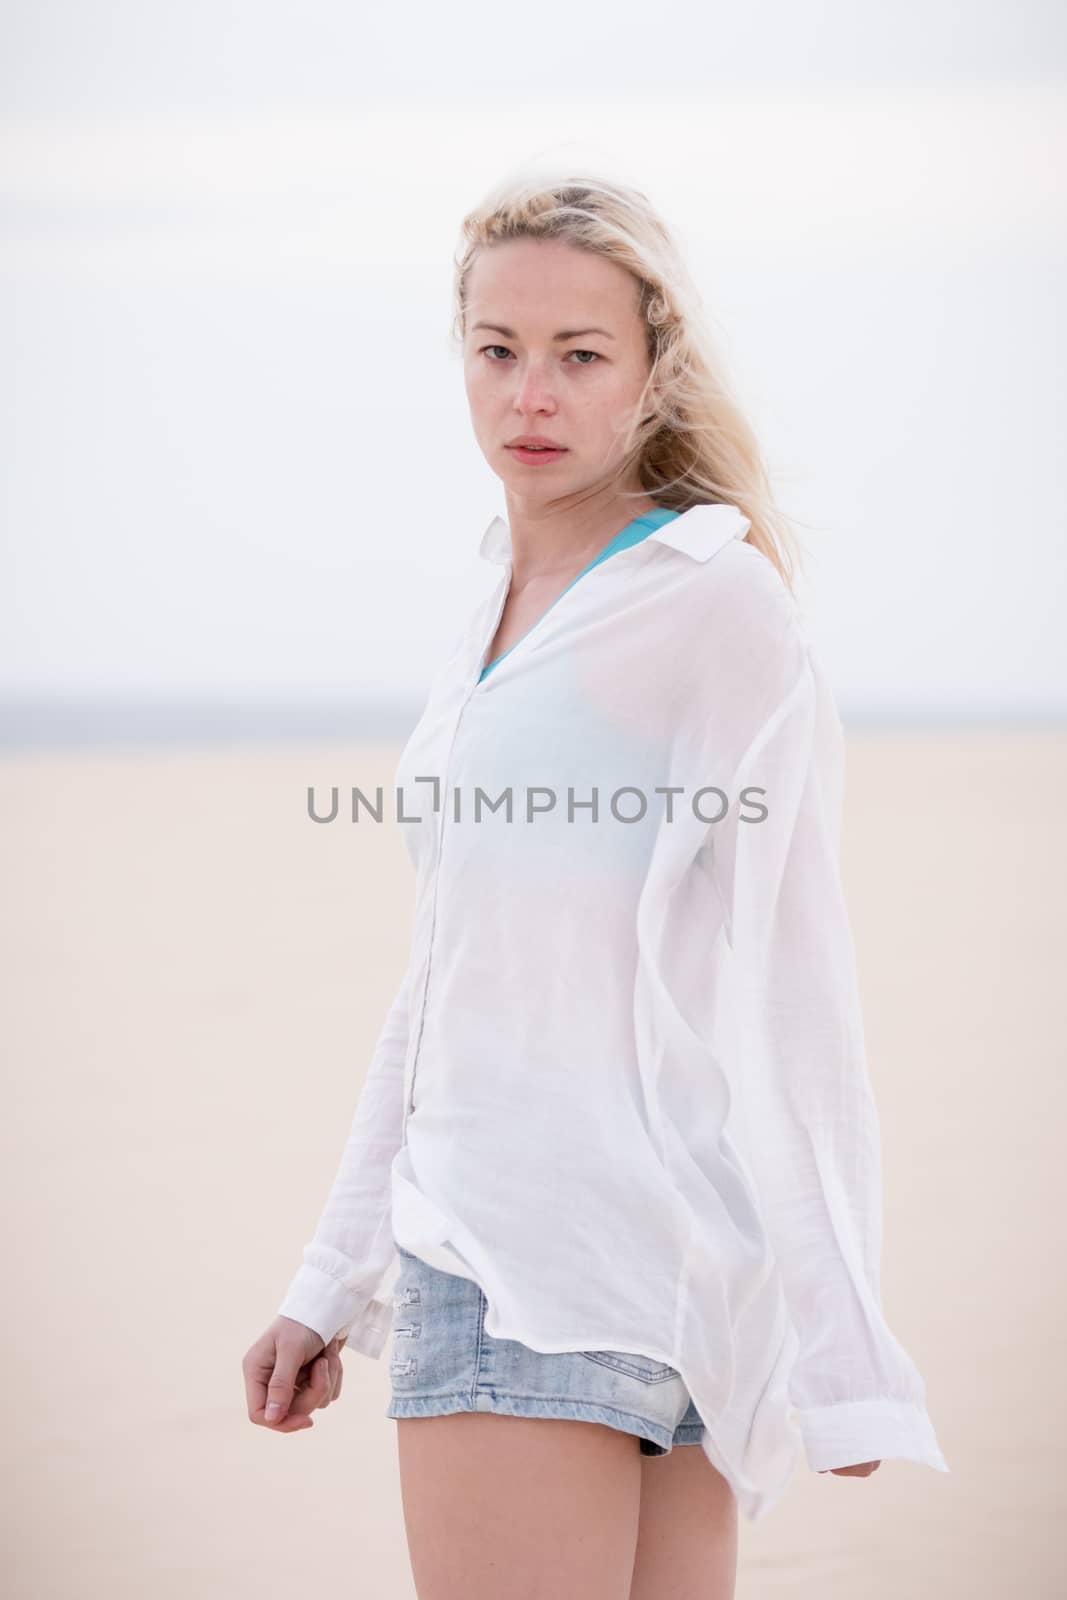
<point x="687" y="1530"/>
<point x="522" y="1508"/>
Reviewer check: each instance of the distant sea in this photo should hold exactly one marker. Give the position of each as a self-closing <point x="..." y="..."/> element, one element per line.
<point x="97" y="724"/>
<point x="66" y="724"/>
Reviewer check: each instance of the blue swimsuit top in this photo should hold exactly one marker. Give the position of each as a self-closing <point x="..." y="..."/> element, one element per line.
<point x="633" y="533"/>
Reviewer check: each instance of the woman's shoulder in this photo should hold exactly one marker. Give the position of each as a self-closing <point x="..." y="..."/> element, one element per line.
<point x="741" y="648"/>
<point x="749" y="572"/>
<point x="743" y="599"/>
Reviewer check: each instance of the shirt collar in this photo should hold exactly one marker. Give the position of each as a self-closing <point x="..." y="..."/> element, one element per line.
<point x="698" y="532"/>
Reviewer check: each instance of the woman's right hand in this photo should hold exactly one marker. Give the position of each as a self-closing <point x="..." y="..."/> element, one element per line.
<point x="289" y="1373"/>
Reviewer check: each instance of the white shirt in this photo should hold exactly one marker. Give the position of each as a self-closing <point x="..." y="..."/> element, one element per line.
<point x="623" y="1084"/>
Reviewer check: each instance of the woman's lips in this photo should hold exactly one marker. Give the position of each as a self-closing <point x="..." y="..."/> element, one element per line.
<point x="536" y="458"/>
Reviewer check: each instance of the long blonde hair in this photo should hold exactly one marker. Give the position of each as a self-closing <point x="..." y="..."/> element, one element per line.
<point x="690" y="441"/>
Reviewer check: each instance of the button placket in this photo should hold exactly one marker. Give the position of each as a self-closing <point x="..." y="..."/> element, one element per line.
<point x="505" y="584"/>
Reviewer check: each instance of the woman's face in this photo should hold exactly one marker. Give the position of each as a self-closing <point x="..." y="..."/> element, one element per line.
<point x="521" y="377"/>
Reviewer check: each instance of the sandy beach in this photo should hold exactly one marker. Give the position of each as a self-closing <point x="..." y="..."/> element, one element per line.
<point x="195" y="977"/>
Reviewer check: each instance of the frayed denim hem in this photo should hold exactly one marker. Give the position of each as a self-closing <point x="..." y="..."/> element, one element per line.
<point x="660" y="1441"/>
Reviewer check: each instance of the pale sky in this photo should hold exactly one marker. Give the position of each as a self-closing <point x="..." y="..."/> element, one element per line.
<point x="238" y="457"/>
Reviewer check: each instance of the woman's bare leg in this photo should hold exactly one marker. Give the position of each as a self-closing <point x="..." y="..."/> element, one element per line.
<point x="687" y="1530"/>
<point x="519" y="1508"/>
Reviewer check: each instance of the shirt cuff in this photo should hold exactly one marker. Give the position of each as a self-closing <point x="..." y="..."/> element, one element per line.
<point x="323" y="1303"/>
<point x="868" y="1430"/>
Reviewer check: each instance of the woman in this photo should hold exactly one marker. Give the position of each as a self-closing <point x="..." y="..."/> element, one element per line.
<point x="613" y="1183"/>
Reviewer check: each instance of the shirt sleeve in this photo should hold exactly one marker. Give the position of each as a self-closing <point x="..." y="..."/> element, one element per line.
<point x="334" y="1290"/>
<point x="812" y="1129"/>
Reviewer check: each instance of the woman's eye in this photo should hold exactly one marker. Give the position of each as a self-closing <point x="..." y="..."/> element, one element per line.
<point x="487" y="347"/>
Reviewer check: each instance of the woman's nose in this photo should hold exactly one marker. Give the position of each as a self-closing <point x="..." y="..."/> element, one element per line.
<point x="536" y="384"/>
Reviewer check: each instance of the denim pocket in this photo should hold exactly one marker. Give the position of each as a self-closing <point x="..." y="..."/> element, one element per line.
<point x="644" y="1368"/>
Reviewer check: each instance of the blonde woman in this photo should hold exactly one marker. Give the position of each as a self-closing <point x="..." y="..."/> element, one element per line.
<point x="612" y="1190"/>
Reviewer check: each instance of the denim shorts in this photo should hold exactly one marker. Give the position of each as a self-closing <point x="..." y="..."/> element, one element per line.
<point x="443" y="1361"/>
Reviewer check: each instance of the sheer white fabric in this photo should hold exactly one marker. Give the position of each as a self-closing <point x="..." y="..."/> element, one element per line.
<point x="623" y="1084"/>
